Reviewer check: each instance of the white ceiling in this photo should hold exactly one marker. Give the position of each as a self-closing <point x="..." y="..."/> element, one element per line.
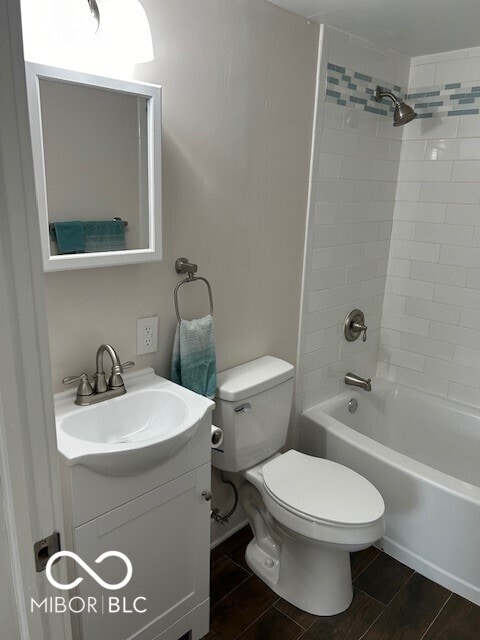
<point x="414" y="27"/>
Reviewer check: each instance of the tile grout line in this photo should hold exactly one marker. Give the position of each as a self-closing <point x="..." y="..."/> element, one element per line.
<point x="372" y="597"/>
<point x="257" y="619"/>
<point x="438" y="614"/>
<point x="386" y="607"/>
<point x="274" y="606"/>
<point x="250" y="573"/>
<point x="374" y="622"/>
<point x="290" y="618"/>
<point x="230" y="592"/>
<point x="217" y="560"/>
<point x="394" y="596"/>
<point x="366" y="567"/>
<point x="403" y="585"/>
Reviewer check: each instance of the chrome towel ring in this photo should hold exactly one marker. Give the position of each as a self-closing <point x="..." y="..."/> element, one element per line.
<point x="182" y="265"/>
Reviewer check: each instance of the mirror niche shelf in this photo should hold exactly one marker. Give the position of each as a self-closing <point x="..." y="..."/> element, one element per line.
<point x="97" y="160"/>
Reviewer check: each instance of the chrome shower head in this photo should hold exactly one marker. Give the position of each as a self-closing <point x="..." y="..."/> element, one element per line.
<point x="403" y="112"/>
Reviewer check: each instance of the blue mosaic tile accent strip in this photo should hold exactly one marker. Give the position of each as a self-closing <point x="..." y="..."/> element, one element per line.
<point x="452" y="99"/>
<point x="350" y="88"/>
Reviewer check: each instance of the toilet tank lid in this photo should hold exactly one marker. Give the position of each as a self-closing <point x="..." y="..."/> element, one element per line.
<point x="253" y="377"/>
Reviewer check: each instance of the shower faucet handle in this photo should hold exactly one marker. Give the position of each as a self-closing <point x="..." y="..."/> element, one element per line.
<point x="357" y="326"/>
<point x="354" y="325"/>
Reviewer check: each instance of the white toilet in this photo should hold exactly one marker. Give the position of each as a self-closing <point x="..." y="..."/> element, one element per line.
<point x="307" y="514"/>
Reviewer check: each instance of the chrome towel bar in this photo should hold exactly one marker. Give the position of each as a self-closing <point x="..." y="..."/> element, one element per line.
<point x="182" y="265"/>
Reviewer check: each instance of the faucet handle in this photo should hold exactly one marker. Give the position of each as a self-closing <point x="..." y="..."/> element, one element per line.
<point x="84" y="388"/>
<point x="358" y="326"/>
<point x="116" y="379"/>
<point x="72" y="379"/>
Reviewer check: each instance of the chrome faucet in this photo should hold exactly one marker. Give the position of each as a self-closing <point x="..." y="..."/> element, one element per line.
<point x="356" y="381"/>
<point x="101" y="390"/>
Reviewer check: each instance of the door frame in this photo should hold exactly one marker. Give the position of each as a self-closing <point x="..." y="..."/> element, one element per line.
<point x="30" y="498"/>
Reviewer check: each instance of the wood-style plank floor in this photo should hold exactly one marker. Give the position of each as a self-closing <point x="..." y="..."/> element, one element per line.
<point x="391" y="602"/>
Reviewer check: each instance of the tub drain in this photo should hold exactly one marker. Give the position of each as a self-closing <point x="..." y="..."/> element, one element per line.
<point x="352" y="405"/>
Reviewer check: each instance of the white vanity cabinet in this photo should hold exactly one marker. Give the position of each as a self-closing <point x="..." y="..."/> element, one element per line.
<point x="161" y="521"/>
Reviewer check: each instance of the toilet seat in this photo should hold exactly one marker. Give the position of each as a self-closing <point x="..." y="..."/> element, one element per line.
<point x="322" y="500"/>
<point x="322" y="490"/>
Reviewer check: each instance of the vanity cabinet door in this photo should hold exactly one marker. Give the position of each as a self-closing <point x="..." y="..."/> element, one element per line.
<point x="166" y="535"/>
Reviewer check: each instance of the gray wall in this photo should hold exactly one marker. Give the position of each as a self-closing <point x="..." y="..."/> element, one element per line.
<point x="238" y="83"/>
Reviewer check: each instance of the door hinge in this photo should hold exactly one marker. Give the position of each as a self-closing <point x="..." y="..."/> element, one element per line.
<point x="44" y="549"/>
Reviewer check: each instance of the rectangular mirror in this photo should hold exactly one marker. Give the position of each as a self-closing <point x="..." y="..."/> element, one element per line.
<point x="97" y="159"/>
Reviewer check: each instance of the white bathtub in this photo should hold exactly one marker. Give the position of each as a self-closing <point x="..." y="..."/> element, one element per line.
<point x="422" y="452"/>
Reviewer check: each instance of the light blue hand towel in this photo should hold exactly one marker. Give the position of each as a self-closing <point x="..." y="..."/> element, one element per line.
<point x="194" y="363"/>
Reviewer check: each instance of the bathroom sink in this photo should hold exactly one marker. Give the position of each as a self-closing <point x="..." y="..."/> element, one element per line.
<point x="129" y="434"/>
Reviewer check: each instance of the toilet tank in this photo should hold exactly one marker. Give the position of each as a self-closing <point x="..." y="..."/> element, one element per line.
<point x="253" y="404"/>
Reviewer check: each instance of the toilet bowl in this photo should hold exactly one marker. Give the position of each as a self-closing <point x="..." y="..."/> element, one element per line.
<point x="307" y="514"/>
<point x="316" y="512"/>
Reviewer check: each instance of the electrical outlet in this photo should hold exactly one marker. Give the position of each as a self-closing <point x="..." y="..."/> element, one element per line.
<point x="147" y="332"/>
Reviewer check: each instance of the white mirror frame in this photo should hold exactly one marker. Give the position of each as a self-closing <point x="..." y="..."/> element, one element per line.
<point x="153" y="94"/>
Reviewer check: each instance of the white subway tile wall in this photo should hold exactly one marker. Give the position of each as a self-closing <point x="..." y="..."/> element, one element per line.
<point x="430" y="337"/>
<point x="394" y="229"/>
<point x="352" y="198"/>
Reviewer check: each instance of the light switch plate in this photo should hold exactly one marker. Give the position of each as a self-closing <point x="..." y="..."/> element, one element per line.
<point x="147" y="335"/>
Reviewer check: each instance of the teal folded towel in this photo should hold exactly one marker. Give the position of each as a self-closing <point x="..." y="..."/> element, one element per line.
<point x="104" y="235"/>
<point x="69" y="236"/>
<point x="194" y="362"/>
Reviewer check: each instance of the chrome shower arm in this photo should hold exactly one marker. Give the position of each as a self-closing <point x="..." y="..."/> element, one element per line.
<point x="379" y="94"/>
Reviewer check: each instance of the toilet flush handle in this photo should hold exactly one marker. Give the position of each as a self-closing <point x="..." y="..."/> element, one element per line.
<point x="243" y="408"/>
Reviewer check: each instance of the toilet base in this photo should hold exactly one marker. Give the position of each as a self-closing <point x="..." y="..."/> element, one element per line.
<point x="313" y="578"/>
